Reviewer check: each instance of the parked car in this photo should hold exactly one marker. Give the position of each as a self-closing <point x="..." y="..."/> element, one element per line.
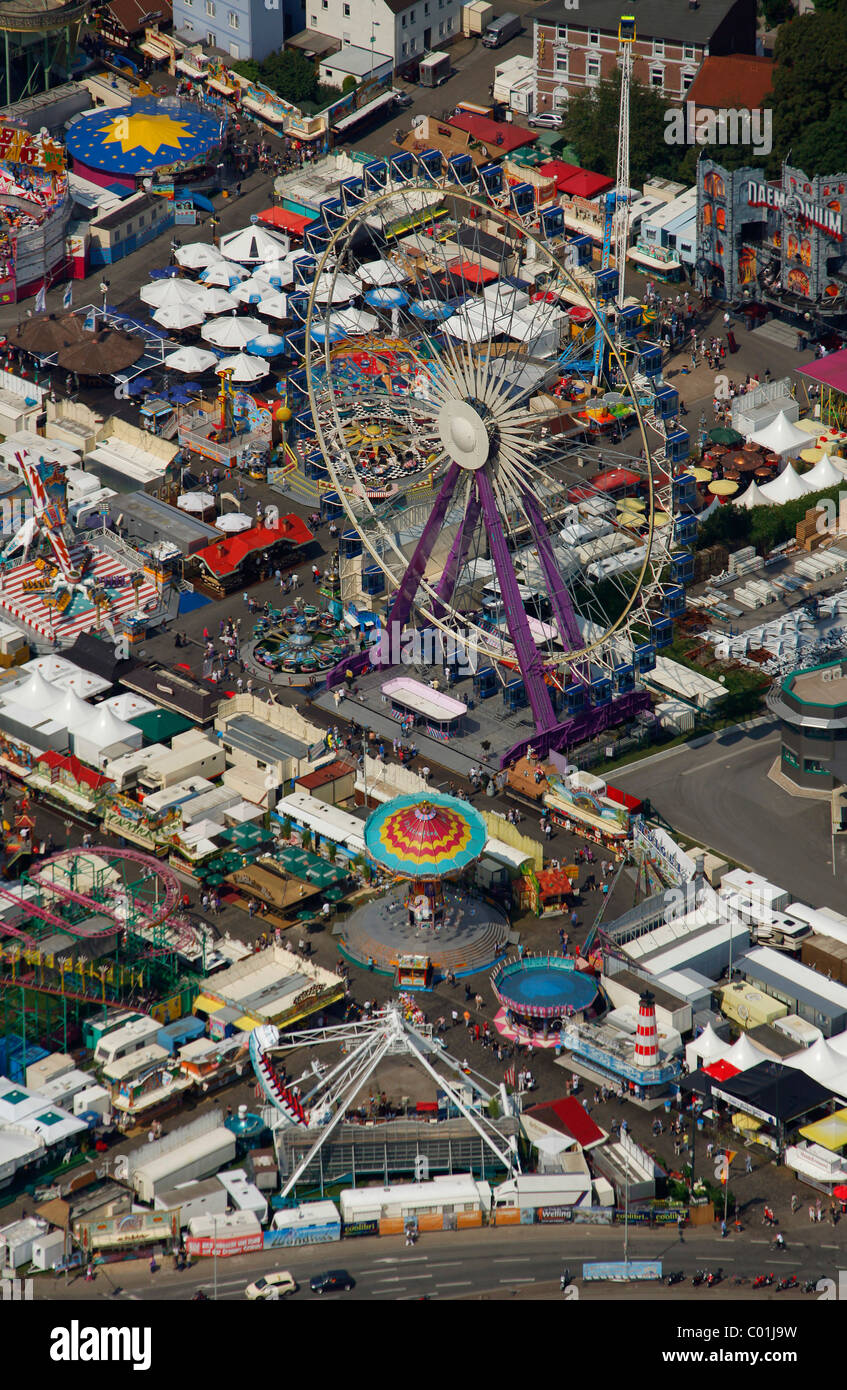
<point x="547" y="120"/>
<point x="272" y="1286"/>
<point x="403" y="99"/>
<point x="332" y="1281"/>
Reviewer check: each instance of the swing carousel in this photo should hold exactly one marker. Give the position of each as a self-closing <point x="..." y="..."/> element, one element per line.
<point x="427" y="913"/>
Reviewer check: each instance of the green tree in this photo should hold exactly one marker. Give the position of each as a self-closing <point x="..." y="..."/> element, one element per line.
<point x="591" y="124"/>
<point x="776" y="12"/>
<point x="810" y="79"/>
<point x="349" y="84"/>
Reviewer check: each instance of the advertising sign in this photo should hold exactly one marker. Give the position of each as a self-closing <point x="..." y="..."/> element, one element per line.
<point x="314" y="1235"/>
<point x="633" y="1269"/>
<point x="360" y="1228"/>
<point x="133" y="1228"/>
<point x="184" y="215"/>
<point x="548" y="1216"/>
<point x="225" y="1245"/>
<point x="18" y="146"/>
<point x="8" y="256"/>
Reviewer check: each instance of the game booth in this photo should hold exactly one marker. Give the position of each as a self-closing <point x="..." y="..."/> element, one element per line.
<point x="34" y="213"/>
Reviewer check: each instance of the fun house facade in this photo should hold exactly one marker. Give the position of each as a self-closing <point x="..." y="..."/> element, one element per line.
<point x="781" y="243"/>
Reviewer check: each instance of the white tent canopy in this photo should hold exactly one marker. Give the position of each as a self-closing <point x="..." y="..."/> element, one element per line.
<point x="178" y="316"/>
<point x="354" y="322"/>
<point x="339" y="291"/>
<point x="190" y="359"/>
<point x="781" y="437"/>
<point x="233" y="522"/>
<point x="477" y="322"/>
<point x="169" y="294"/>
<point x="253" y="290"/>
<point x="381" y="273"/>
<point x="824" y="474"/>
<point x="822" y="1062"/>
<point x="243" y="367"/>
<point x="786" y="488"/>
<point x="744" y="1054"/>
<point x="275" y="306"/>
<point x="224" y="273"/>
<point x="214" y="300"/>
<point x="751" y="497"/>
<point x="253" y="246"/>
<point x="197" y="255"/>
<point x="706" y="1046"/>
<point x="232" y="333"/>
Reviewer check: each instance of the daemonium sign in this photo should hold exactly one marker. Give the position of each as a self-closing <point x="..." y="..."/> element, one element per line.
<point x="768" y="195"/>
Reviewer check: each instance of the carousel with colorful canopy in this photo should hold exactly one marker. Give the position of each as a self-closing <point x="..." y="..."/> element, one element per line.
<point x="425" y="840"/>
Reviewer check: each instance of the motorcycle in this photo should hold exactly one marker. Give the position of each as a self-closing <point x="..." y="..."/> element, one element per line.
<point x="699" y="1278"/>
<point x="791" y="1282"/>
<point x="714" y="1277"/>
<point x="811" y="1285"/>
<point x="762" y="1281"/>
<point x="676" y="1278"/>
<point x="564" y="1280"/>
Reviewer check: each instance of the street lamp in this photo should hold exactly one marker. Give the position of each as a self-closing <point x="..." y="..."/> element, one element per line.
<point x="374" y="25"/>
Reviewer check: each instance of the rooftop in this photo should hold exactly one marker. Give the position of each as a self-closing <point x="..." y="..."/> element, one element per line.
<point x="654" y="18"/>
<point x="822" y="685"/>
<point x="734" y="79"/>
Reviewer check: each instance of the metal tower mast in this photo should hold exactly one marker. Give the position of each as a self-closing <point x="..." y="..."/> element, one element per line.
<point x="626" y="39"/>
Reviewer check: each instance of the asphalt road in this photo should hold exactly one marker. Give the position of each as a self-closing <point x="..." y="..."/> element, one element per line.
<point x="718" y="792"/>
<point x="484" y="1263"/>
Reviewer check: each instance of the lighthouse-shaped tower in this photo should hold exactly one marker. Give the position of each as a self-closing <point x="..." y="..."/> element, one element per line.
<point x="647" y="1035"/>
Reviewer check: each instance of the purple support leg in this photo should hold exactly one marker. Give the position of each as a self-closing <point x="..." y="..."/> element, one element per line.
<point x="402" y="606"/>
<point x="457" y="557"/>
<point x="529" y="658"/>
<point x="556" y="586"/>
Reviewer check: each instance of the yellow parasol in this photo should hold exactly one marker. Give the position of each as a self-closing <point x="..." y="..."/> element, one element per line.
<point x="723" y="488"/>
<point x="631" y="504"/>
<point x="811" y="455"/>
<point x="701" y="475"/>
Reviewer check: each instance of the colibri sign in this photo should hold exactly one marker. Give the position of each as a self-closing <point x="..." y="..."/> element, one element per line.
<point x="768" y="195"/>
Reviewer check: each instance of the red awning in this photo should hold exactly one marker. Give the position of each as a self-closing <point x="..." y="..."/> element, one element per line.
<point x="568" y="1117"/>
<point x="473" y="274"/>
<point x="721" y="1071"/>
<point x="288" y="221"/>
<point x="500" y="134"/>
<point x="225" y="556"/>
<point x="614" y="478"/>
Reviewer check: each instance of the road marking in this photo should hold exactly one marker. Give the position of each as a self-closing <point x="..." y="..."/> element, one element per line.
<point x="760" y="1242"/>
<point x="448" y="1264"/>
<point x="395" y="1280"/>
<point x="689" y="772"/>
<point x="830" y="1247"/>
<point x="456" y="1284"/>
<point x="530" y="1279"/>
<point x="513" y="1260"/>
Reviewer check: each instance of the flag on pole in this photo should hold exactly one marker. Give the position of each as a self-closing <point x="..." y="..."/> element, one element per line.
<point x="41" y="300"/>
<point x="68" y="297"/>
<point x="510" y="1077"/>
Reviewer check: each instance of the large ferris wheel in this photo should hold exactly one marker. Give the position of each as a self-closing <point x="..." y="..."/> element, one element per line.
<point x="443" y="336"/>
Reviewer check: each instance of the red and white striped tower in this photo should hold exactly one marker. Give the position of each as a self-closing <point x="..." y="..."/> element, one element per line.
<point x="647" y="1035"/>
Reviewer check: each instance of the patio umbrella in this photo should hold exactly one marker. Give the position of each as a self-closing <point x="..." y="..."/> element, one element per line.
<point x="47" y="333"/>
<point x="233" y="522"/>
<point x="722" y="435"/>
<point x="178" y="317"/>
<point x="213" y="300"/>
<point x="233" y="332"/>
<point x="329" y="331"/>
<point x="275" y="306"/>
<point x="167" y="294"/>
<point x="252" y="291"/>
<point x="341" y="292"/>
<point x="138" y="385"/>
<point x="430" y="309"/>
<point x="198" y="256"/>
<point x="224" y="273"/>
<point x="191" y="359"/>
<point x="253" y="246"/>
<point x="195" y="501"/>
<point x="381" y="272"/>
<point x="267" y="345"/>
<point x="101" y="354"/>
<point x="386" y="298"/>
<point x="166" y="272"/>
<point x="243" y="367"/>
<point x="353" y="322"/>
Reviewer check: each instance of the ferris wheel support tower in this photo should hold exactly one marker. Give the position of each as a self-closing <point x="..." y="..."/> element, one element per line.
<point x="626" y="39"/>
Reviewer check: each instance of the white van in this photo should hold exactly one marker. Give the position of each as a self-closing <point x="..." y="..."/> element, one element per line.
<point x="124" y="1041"/>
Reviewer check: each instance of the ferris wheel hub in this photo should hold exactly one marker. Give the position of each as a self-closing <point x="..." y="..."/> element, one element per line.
<point x="464" y="434"/>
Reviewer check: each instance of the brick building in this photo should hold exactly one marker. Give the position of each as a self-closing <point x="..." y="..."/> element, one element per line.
<point x="574" y="48"/>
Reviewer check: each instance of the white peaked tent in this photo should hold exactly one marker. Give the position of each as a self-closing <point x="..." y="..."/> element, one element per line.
<point x="824" y="474"/>
<point x="786" y="488"/>
<point x="105" y="729"/>
<point x="243" y="367"/>
<point x="36" y="693"/>
<point x="781" y="437"/>
<point x="234" y="333"/>
<point x="707" y="511"/>
<point x="74" y="712"/>
<point x="751" y="497"/>
<point x="211" y="299"/>
<point x="197" y="255"/>
<point x="744" y="1054"/>
<point x="339" y="291"/>
<point x="381" y="273"/>
<point x="190" y="359"/>
<point x="706" y="1047"/>
<point x="252" y="246"/>
<point x="822" y="1062"/>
